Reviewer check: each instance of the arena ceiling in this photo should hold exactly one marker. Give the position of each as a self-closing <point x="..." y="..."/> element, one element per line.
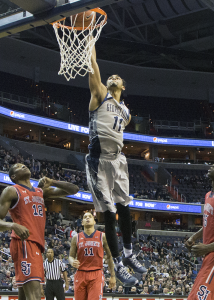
<point x="171" y="34"/>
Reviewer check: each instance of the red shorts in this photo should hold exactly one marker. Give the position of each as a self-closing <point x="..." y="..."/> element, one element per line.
<point x="203" y="288"/>
<point x="88" y="285"/>
<point x="28" y="261"/>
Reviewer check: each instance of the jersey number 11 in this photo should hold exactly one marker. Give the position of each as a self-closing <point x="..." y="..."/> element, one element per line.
<point x="115" y="123"/>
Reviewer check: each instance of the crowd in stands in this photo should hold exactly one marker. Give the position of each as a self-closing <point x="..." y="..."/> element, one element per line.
<point x="193" y="184"/>
<point x="40" y="169"/>
<point x="171" y="269"/>
<point x="54" y="105"/>
<point x="160" y="193"/>
<point x="139" y="187"/>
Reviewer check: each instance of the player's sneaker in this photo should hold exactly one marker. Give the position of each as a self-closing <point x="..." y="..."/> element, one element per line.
<point x="134" y="264"/>
<point x="124" y="276"/>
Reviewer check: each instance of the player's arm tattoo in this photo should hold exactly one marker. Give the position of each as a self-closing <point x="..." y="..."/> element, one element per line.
<point x="73" y="250"/>
<point x="109" y="256"/>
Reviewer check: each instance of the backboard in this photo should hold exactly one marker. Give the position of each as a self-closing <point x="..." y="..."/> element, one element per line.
<point x="42" y="12"/>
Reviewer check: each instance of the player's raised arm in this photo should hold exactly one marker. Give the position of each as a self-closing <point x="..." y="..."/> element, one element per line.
<point x="112" y="281"/>
<point x="97" y="88"/>
<point x="60" y="189"/>
<point x="73" y="253"/>
<point x="8" y="198"/>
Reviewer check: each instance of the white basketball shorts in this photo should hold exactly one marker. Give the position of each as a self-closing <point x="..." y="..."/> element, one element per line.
<point x="108" y="181"/>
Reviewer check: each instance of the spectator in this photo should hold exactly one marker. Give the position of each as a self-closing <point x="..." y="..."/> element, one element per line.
<point x="119" y="290"/>
<point x="14" y="285"/>
<point x="74" y="232"/>
<point x="60" y="217"/>
<point x="67" y="230"/>
<point x="133" y="290"/>
<point x="155" y="290"/>
<point x="145" y="290"/>
<point x="178" y="291"/>
<point x="6" y="249"/>
<point x="165" y="291"/>
<point x="79" y="222"/>
<point x="65" y="260"/>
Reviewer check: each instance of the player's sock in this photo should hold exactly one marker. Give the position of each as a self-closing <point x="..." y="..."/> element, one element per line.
<point x="117" y="262"/>
<point x="127" y="249"/>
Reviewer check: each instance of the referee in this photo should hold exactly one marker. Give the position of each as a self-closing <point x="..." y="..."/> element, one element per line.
<point x="54" y="284"/>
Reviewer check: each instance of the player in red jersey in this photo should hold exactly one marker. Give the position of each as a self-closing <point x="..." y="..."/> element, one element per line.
<point x="86" y="254"/>
<point x="203" y="288"/>
<point x="26" y="206"/>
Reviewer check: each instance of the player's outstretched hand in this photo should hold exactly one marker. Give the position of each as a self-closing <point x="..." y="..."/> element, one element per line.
<point x="112" y="283"/>
<point x="21" y="231"/>
<point x="189" y="243"/>
<point x="199" y="250"/>
<point x="45" y="182"/>
<point x="76" y="264"/>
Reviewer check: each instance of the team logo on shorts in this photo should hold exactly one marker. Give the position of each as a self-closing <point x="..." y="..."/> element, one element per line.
<point x="203" y="292"/>
<point x="25" y="267"/>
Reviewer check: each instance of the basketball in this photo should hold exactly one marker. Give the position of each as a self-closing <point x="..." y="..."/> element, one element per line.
<point x="84" y="19"/>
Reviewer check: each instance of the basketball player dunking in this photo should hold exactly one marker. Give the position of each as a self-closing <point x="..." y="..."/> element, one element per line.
<point x="27" y="208"/>
<point x="203" y="288"/>
<point x="106" y="166"/>
<point x="86" y="254"/>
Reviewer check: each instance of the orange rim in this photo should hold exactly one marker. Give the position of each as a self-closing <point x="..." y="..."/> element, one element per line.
<point x="97" y="10"/>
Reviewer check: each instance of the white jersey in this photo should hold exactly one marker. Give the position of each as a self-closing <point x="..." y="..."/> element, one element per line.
<point x="106" y="126"/>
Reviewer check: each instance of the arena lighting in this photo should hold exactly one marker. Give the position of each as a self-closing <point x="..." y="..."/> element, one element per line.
<point x="137" y="204"/>
<point x="84" y="130"/>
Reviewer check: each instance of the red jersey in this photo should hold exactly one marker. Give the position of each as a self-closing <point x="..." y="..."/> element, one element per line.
<point x="90" y="251"/>
<point x="208" y="219"/>
<point x="29" y="211"/>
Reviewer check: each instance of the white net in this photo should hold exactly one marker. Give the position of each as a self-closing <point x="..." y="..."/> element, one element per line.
<point x="76" y="45"/>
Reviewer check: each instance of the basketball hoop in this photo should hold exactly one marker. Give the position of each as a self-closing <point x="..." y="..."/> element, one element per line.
<point x="76" y="42"/>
